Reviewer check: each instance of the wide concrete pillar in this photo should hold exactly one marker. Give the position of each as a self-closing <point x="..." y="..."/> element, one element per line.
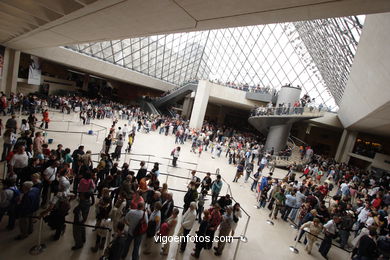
<point x="277" y="137"/>
<point x="10" y="71"/>
<point x="278" y="134"/>
<point x="341" y="145"/>
<point x="187" y="106"/>
<point x="346" y="144"/>
<point x="200" y="104"/>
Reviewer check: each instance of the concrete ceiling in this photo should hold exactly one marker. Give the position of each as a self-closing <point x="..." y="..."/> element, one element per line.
<point x="29" y="24"/>
<point x="377" y="122"/>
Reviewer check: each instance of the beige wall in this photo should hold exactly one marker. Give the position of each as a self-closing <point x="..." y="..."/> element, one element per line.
<point x="381" y="161"/>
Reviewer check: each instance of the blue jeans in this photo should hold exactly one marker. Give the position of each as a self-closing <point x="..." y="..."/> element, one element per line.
<point x="136" y="246"/>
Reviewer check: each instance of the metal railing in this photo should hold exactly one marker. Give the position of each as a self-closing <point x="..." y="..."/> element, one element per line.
<point x="94" y="130"/>
<point x="287" y="111"/>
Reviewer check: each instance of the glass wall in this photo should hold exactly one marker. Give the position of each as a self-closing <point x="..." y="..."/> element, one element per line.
<point x="316" y="55"/>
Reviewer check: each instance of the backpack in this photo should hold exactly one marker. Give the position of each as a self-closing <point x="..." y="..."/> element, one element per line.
<point x="141" y="227"/>
<point x="63" y="206"/>
<point x="16" y="195"/>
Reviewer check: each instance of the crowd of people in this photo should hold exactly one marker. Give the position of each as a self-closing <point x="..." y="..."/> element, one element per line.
<point x="60" y="183"/>
<point x="297" y="108"/>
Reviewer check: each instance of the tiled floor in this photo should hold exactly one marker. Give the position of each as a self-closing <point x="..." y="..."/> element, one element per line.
<point x="264" y="241"/>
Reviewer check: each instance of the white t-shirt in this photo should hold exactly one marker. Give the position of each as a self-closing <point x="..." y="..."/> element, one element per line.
<point x="19" y="161"/>
<point x="50" y="173"/>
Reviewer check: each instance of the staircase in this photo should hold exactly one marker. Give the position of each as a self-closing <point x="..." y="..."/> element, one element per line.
<point x="175" y="95"/>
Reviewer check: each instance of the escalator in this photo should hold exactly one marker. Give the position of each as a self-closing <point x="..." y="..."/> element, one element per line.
<point x="175" y="95"/>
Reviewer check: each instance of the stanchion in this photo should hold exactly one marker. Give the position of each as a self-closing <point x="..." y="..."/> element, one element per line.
<point x="81" y="139"/>
<point x="97" y="135"/>
<point x="294" y="248"/>
<point x="68" y="126"/>
<point x="108" y="239"/>
<point x="37" y="249"/>
<point x="269" y="221"/>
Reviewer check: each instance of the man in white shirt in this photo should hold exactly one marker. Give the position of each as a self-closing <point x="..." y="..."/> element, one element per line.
<point x="363" y="213"/>
<point x="125" y="131"/>
<point x="187" y="223"/>
<point x="18" y="163"/>
<point x="330" y="231"/>
<point x="49" y="175"/>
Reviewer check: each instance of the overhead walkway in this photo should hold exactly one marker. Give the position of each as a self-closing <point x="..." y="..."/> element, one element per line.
<point x="216" y="94"/>
<point x="263" y="118"/>
<point x="277" y="123"/>
<point x="175" y="95"/>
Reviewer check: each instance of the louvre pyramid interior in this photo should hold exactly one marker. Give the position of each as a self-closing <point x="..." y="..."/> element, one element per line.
<point x="316" y="55"/>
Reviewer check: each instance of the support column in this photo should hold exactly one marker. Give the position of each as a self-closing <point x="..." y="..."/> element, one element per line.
<point x="200" y="104"/>
<point x="3" y="83"/>
<point x="277" y="137"/>
<point x="349" y="143"/>
<point x="278" y="134"/>
<point x="11" y="71"/>
<point x="341" y="145"/>
<point x="187" y="107"/>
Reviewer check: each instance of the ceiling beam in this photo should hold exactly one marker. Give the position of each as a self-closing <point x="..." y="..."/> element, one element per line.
<point x="30" y="7"/>
<point x="16" y="20"/>
<point x="62" y="7"/>
<point x="10" y="10"/>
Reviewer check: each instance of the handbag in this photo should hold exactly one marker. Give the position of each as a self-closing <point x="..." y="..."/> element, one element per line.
<point x="141" y="227"/>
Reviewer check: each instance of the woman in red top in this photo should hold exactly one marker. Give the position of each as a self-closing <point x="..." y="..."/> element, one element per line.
<point x="136" y="199"/>
<point x="376" y="203"/>
<point x="45" y="119"/>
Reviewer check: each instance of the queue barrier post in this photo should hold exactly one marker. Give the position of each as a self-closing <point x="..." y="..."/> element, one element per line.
<point x="81" y="139"/>
<point x="37" y="249"/>
<point x="294" y="248"/>
<point x="108" y="239"/>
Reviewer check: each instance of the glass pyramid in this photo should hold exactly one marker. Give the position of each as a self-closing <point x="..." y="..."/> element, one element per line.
<point x="316" y="55"/>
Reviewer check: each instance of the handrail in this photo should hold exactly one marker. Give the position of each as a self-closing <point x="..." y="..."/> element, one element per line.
<point x="286" y="111"/>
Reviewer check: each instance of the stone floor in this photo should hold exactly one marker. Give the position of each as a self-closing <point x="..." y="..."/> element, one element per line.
<point x="264" y="241"/>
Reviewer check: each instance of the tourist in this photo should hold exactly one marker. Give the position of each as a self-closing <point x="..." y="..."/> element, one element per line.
<point x="216" y="187"/>
<point x="187" y="223"/>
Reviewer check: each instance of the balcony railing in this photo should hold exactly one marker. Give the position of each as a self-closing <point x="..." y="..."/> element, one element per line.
<point x="287" y="111"/>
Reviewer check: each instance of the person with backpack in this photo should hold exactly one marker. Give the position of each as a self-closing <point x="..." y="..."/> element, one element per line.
<point x="256" y="178"/>
<point x="137" y="222"/>
<point x="28" y="204"/>
<point x="248" y="170"/>
<point x="49" y="181"/>
<point x="56" y="213"/>
<point x="9" y="197"/>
